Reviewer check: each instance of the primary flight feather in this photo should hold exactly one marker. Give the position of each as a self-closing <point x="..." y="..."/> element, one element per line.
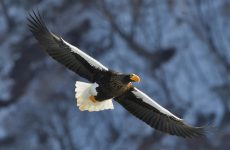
<point x="106" y="84"/>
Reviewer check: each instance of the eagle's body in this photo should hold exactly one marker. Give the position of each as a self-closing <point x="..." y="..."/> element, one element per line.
<point x="111" y="85"/>
<point x="106" y="85"/>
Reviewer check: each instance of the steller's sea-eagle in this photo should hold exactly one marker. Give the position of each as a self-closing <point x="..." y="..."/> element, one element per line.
<point x="106" y="84"/>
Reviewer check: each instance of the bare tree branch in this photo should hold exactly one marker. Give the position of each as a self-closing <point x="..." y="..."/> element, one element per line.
<point x="10" y="22"/>
<point x="156" y="58"/>
<point x="203" y="28"/>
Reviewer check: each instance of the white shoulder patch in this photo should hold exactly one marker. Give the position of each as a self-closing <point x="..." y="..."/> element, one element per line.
<point x="153" y="103"/>
<point x="89" y="59"/>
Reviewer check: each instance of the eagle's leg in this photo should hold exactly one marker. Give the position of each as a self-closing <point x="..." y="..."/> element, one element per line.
<point x="92" y="98"/>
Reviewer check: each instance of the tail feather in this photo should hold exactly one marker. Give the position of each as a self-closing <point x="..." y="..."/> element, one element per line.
<point x="83" y="92"/>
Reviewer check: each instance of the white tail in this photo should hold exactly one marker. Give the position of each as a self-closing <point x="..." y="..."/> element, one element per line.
<point x="83" y="92"/>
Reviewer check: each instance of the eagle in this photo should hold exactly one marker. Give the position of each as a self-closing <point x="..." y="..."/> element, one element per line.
<point x="106" y="85"/>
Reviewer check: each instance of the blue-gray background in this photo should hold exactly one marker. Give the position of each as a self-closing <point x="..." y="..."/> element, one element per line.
<point x="37" y="104"/>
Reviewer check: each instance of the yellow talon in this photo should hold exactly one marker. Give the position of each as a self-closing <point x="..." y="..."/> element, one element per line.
<point x="92" y="98"/>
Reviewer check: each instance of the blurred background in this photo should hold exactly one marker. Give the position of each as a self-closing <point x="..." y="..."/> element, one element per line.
<point x="180" y="49"/>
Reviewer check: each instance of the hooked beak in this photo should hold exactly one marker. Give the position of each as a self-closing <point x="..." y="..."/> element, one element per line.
<point x="135" y="78"/>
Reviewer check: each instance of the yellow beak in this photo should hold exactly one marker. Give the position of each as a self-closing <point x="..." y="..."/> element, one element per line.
<point x="135" y="78"/>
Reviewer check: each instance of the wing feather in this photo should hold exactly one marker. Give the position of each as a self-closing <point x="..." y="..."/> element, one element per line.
<point x="155" y="115"/>
<point x="63" y="52"/>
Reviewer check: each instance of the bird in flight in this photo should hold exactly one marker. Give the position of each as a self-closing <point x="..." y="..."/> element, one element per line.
<point x="106" y="84"/>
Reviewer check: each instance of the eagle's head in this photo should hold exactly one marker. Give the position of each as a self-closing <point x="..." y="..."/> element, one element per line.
<point x="131" y="78"/>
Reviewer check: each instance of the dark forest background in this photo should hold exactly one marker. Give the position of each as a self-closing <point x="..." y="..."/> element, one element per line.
<point x="180" y="49"/>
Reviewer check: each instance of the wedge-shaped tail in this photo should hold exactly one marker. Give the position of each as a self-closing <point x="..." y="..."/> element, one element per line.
<point x="83" y="92"/>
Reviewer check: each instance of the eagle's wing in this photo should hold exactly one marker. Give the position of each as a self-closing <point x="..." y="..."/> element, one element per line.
<point x="65" y="53"/>
<point x="149" y="111"/>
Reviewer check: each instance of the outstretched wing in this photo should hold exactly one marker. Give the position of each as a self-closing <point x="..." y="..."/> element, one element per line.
<point x="65" y="53"/>
<point x="149" y="111"/>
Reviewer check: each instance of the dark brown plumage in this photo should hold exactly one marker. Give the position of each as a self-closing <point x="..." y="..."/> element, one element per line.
<point x="155" y="118"/>
<point x="107" y="84"/>
<point x="112" y="84"/>
<point x="59" y="51"/>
